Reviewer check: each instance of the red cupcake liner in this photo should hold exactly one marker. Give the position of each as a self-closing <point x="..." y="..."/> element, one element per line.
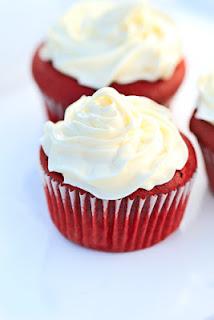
<point x="208" y="155"/>
<point x="115" y="225"/>
<point x="54" y="110"/>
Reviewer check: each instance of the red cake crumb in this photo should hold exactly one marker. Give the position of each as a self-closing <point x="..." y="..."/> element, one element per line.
<point x="203" y="130"/>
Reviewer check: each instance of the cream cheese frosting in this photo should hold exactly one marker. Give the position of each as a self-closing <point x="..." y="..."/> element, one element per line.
<point x="101" y="42"/>
<point x="205" y="110"/>
<point x="110" y="144"/>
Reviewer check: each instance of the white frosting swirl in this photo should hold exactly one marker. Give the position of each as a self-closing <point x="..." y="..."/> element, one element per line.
<point x="99" y="42"/>
<point x="111" y="145"/>
<point x="205" y="106"/>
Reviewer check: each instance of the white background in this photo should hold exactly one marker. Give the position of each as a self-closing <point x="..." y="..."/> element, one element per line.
<point x="44" y="276"/>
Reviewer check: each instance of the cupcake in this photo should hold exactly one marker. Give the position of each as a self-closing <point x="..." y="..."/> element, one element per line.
<point x="126" y="45"/>
<point x="202" y="122"/>
<point x="117" y="172"/>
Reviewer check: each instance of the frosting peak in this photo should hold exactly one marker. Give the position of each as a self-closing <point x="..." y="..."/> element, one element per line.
<point x="111" y="145"/>
<point x="205" y="109"/>
<point x="100" y="42"/>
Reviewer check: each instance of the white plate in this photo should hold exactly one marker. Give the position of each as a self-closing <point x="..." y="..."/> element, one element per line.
<point x="44" y="276"/>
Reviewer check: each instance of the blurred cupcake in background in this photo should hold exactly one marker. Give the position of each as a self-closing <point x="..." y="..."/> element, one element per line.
<point x="202" y="122"/>
<point x="117" y="172"/>
<point x="123" y="44"/>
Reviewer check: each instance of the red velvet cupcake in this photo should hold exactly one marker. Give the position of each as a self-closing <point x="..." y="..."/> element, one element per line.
<point x="202" y="123"/>
<point x="117" y="172"/>
<point x="139" y="53"/>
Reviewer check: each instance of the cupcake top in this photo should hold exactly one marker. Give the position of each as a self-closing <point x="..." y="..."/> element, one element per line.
<point x="111" y="145"/>
<point x="101" y="42"/>
<point x="205" y="110"/>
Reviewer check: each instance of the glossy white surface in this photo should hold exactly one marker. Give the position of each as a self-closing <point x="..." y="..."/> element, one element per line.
<point x="42" y="275"/>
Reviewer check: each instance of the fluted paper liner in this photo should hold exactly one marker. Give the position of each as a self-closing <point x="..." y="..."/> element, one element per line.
<point x="54" y="110"/>
<point x="208" y="155"/>
<point x="115" y="225"/>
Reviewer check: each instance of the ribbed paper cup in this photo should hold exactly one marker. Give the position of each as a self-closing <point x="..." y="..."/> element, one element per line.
<point x="208" y="155"/>
<point x="114" y="225"/>
<point x="54" y="110"/>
